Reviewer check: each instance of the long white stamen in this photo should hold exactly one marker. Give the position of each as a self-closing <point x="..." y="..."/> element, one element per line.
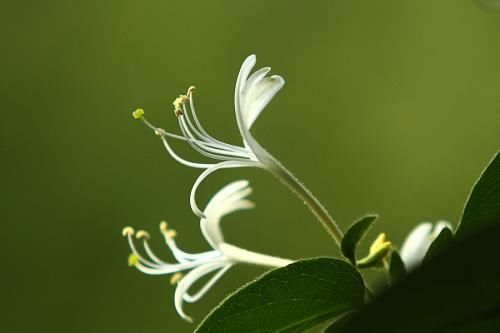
<point x="180" y="255"/>
<point x="151" y="253"/>
<point x="196" y="131"/>
<point x="183" y="256"/>
<point x="208" y="137"/>
<point x="200" y="127"/>
<point x="161" y="131"/>
<point x="221" y="151"/>
<point x="206" y="150"/>
<point x="139" y="256"/>
<point x="172" y="268"/>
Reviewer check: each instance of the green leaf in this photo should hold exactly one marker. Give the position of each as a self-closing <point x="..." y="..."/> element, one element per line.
<point x="289" y="299"/>
<point x="340" y="323"/>
<point x="483" y="206"/>
<point x="354" y="235"/>
<point x="441" y="243"/>
<point x="397" y="269"/>
<point x="456" y="290"/>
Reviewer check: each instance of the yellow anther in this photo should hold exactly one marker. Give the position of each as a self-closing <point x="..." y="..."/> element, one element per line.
<point x="133" y="259"/>
<point x="176" y="278"/>
<point x="171" y="233"/>
<point x="127" y="231"/>
<point x="190" y="90"/>
<point x="178" y="103"/>
<point x="142" y="234"/>
<point x="178" y="112"/>
<point x="137" y="114"/>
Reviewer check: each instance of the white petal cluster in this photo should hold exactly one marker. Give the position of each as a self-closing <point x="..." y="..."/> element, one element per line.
<point x="217" y="261"/>
<point x="419" y="240"/>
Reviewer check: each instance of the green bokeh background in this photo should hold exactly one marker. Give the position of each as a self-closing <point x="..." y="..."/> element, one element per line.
<point x="390" y="107"/>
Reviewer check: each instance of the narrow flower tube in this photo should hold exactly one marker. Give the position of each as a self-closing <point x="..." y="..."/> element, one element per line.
<point x="253" y="92"/>
<point x="190" y="267"/>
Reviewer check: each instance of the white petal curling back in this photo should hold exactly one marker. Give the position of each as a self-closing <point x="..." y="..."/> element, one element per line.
<point x="252" y="94"/>
<point x="217" y="261"/>
<point x="418" y="241"/>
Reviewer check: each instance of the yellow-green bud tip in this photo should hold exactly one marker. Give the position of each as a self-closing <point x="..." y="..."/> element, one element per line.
<point x="137" y="114"/>
<point x="133" y="259"/>
<point x="379" y="243"/>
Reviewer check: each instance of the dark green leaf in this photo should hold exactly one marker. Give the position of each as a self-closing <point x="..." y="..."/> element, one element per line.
<point x="290" y="298"/>
<point x="454" y="291"/>
<point x="483" y="206"/>
<point x="441" y="243"/>
<point x="397" y="269"/>
<point x="340" y="323"/>
<point x="354" y="235"/>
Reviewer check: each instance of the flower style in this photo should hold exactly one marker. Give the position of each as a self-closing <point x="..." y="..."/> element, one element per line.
<point x="217" y="261"/>
<point x="418" y="242"/>
<point x="253" y="92"/>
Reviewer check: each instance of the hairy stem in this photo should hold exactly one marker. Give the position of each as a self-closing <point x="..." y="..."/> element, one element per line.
<point x="309" y="199"/>
<point x="287" y="178"/>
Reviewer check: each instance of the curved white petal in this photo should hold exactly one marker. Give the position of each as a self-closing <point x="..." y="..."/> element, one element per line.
<point x="227" y="200"/>
<point x="253" y="93"/>
<point x="416" y="244"/>
<point x="188" y="280"/>
<point x="258" y="96"/>
<point x="253" y="79"/>
<point x="206" y="173"/>
<point x="245" y="70"/>
<point x="196" y="297"/>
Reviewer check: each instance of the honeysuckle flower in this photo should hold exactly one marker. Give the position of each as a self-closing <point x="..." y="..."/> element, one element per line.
<point x="419" y="240"/>
<point x="216" y="261"/>
<point x="252" y="94"/>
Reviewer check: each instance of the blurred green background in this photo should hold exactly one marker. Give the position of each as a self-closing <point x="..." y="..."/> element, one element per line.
<point x="390" y="107"/>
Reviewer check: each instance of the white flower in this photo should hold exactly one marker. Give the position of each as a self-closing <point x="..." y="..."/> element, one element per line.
<point x="216" y="261"/>
<point x="252" y="94"/>
<point x="418" y="242"/>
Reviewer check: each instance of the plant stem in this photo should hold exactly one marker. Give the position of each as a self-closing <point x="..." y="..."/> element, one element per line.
<point x="285" y="176"/>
